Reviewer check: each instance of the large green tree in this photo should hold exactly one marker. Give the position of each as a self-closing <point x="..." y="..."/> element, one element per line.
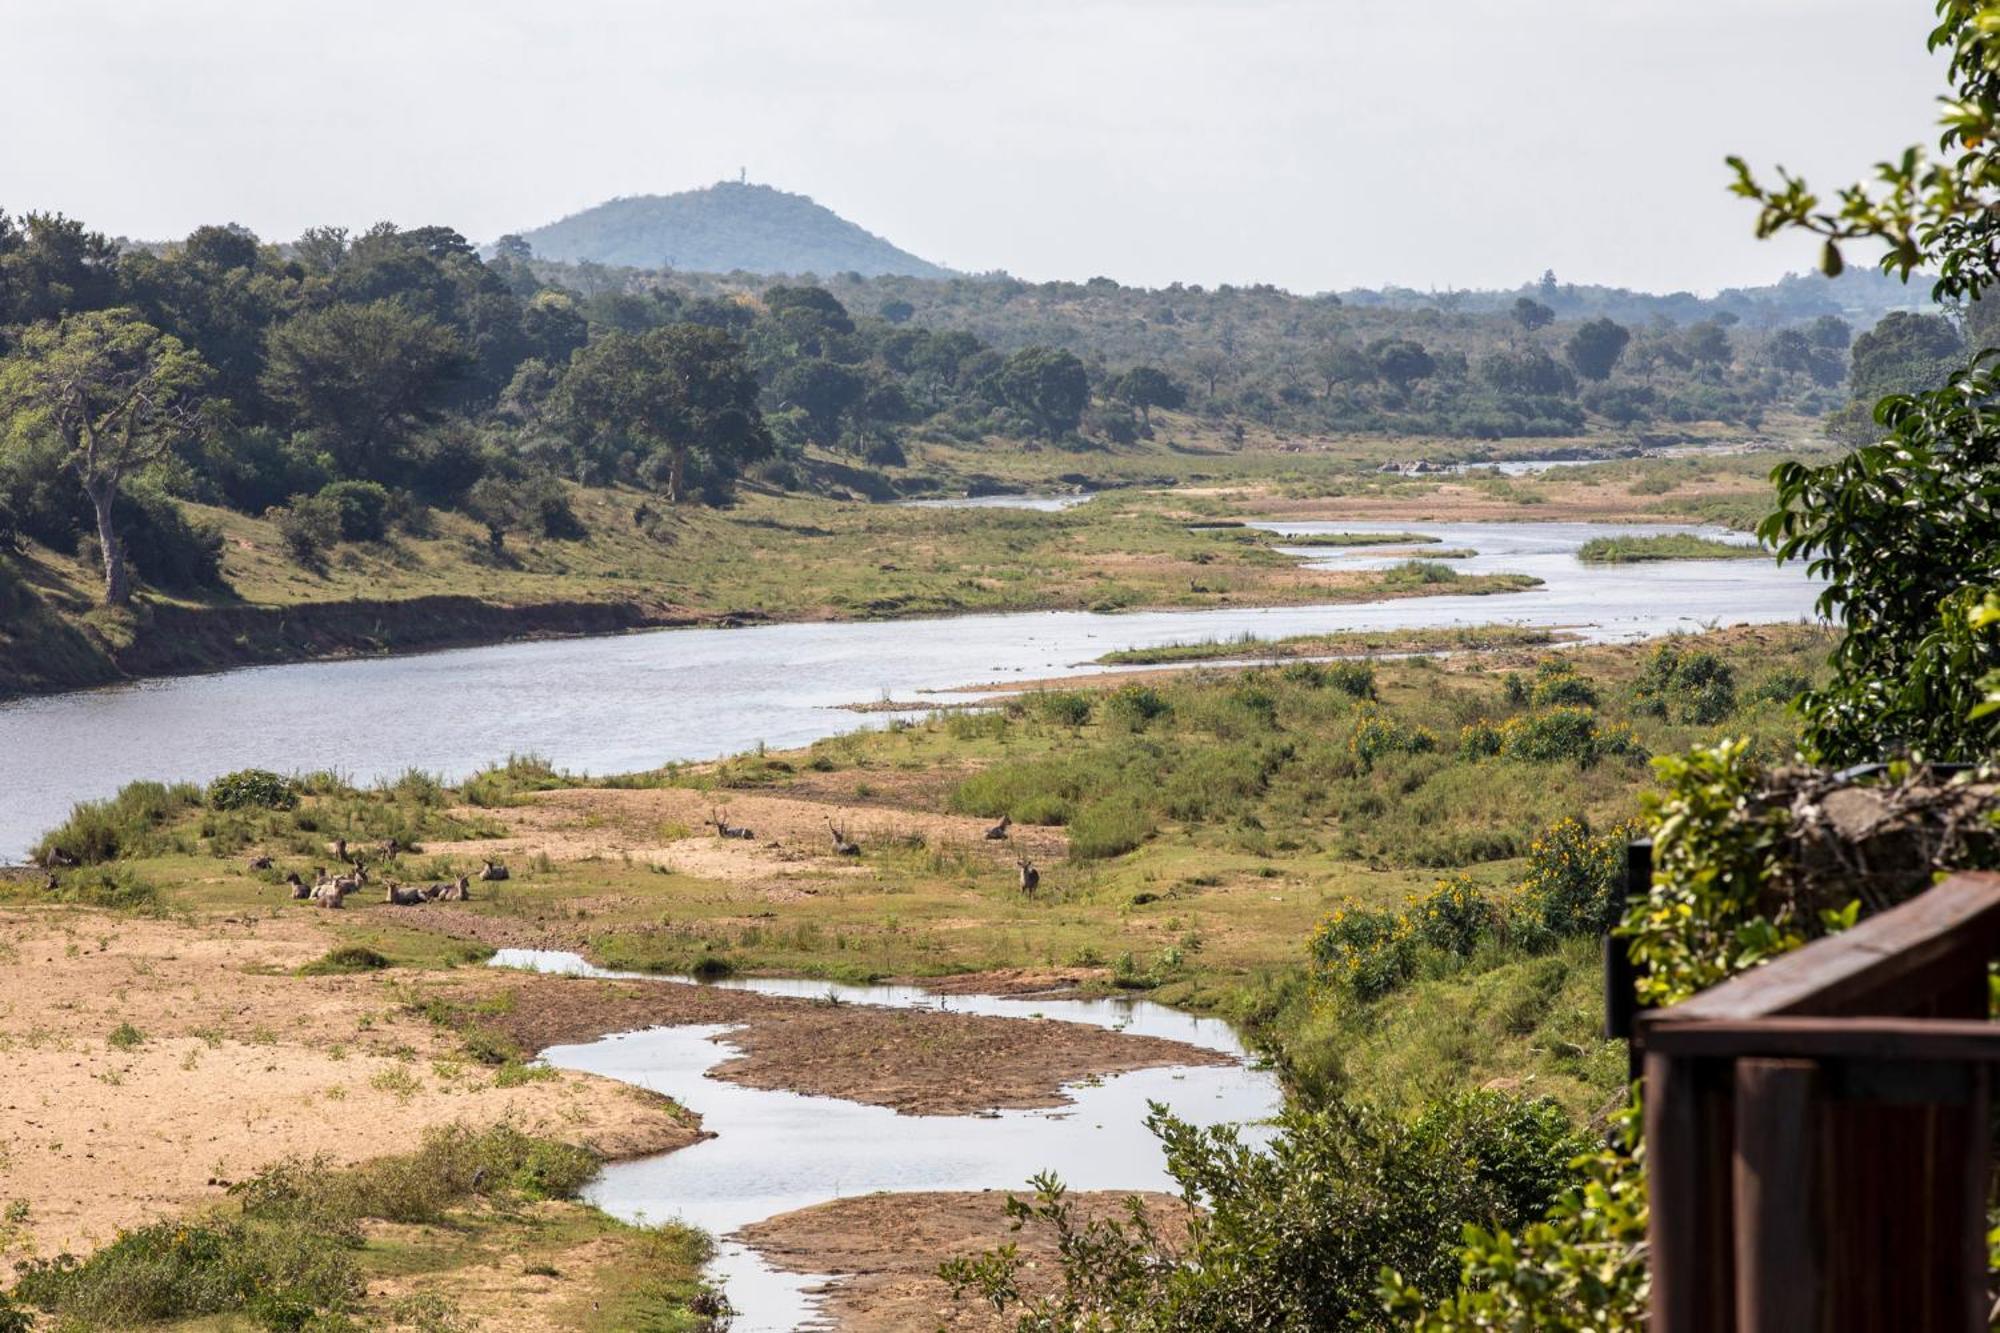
<point x="671" y="391"/>
<point x="119" y="394"/>
<point x="1047" y="386"/>
<point x="363" y="377"/>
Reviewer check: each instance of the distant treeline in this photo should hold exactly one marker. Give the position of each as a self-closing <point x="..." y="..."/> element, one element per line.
<point x="1548" y="360"/>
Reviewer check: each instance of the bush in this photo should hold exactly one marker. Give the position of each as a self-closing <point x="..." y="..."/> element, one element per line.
<point x="125" y="825"/>
<point x="1575" y="878"/>
<point x="1557" y="683"/>
<point x="1369" y="952"/>
<point x="347" y="958"/>
<point x="1698" y="688"/>
<point x="1455" y="917"/>
<point x="309" y="527"/>
<point x="113" y="887"/>
<point x="1068" y="708"/>
<point x="1478" y="740"/>
<point x="1108" y="828"/>
<point x="1376" y="735"/>
<point x="1134" y="706"/>
<point x="360" y="509"/>
<point x="1565" y="734"/>
<point x="252" y="789"/>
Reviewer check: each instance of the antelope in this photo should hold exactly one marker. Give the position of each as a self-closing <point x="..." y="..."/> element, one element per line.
<point x="1031" y="878"/>
<point x="397" y="896"/>
<point x="841" y="845"/>
<point x="492" y="871"/>
<point x="458" y="891"/>
<point x="300" y="890"/>
<point x="58" y="857"/>
<point x="261" y="862"/>
<point x="394" y="847"/>
<point x="51" y="883"/>
<point x="340" y="849"/>
<point x="727" y="830"/>
<point x="999" y="831"/>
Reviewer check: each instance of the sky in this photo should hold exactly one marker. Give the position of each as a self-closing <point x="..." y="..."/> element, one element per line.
<point x="1316" y="145"/>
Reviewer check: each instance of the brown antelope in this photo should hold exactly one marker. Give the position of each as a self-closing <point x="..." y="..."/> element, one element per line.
<point x="261" y="862"/>
<point x="1031" y="878"/>
<point x="458" y="891"/>
<point x="397" y="896"/>
<point x="394" y="847"/>
<point x="727" y="830"/>
<point x="340" y="849"/>
<point x="492" y="871"/>
<point x="999" y="830"/>
<point x="842" y="845"/>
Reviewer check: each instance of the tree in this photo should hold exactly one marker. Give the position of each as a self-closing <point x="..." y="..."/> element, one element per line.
<point x="1905" y="353"/>
<point x="1401" y="361"/>
<point x="1707" y="344"/>
<point x="1595" y="348"/>
<point x="1531" y="314"/>
<point x="119" y="394"/>
<point x="824" y="390"/>
<point x="1526" y="371"/>
<point x="1148" y="387"/>
<point x="1340" y="362"/>
<point x="1830" y="333"/>
<point x="1047" y="386"/>
<point x="673" y="390"/>
<point x="364" y="376"/>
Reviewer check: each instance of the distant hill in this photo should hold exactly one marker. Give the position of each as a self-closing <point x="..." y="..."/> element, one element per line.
<point x="721" y="229"/>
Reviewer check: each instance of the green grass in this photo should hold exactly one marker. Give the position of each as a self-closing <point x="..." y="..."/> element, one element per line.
<point x="1665" y="546"/>
<point x="1339" y="643"/>
<point x="1344" y="538"/>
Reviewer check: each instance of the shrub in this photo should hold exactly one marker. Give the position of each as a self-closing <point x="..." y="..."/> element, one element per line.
<point x="253" y="789"/>
<point x="1067" y="708"/>
<point x="309" y="527"/>
<point x="1688" y="687"/>
<point x="1454" y="917"/>
<point x="1355" y="679"/>
<point x="1134" y="706"/>
<point x="1376" y="735"/>
<point x="347" y="958"/>
<point x="125" y="1037"/>
<point x="1557" y="683"/>
<point x="1575" y="878"/>
<point x="112" y="887"/>
<point x="360" y="509"/>
<point x="1107" y="828"/>
<point x="1478" y="740"/>
<point x="1564" y="734"/>
<point x="1369" y="952"/>
<point x="127" y="824"/>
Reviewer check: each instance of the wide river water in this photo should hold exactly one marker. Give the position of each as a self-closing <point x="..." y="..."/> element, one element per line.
<point x="632" y="702"/>
<point x="776" y="1151"/>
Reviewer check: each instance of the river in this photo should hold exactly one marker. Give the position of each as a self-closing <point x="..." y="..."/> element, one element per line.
<point x="775" y="1151"/>
<point x="633" y="702"/>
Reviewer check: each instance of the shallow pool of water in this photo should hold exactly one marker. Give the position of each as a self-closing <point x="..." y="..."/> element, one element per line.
<point x="776" y="1151"/>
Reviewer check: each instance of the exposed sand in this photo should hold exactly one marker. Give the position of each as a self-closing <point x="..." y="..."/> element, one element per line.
<point x="241" y="1064"/>
<point x="883" y="1251"/>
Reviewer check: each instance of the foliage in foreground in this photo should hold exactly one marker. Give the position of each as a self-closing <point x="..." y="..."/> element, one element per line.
<point x="1293" y="1236"/>
<point x="284" y="1255"/>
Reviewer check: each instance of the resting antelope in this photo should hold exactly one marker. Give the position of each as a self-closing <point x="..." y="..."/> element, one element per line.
<point x="724" y="829"/>
<point x="842" y="846"/>
<point x="260" y="862"/>
<point x="397" y="896"/>
<point x="999" y="830"/>
<point x="492" y="871"/>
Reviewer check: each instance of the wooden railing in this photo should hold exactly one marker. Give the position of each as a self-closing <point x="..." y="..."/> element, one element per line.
<point x="1817" y="1131"/>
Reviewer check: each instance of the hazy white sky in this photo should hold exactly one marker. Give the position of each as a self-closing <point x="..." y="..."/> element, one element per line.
<point x="1312" y="143"/>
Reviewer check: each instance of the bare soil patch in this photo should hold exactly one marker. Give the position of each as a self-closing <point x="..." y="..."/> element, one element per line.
<point x="151" y="1062"/>
<point x="916" y="1061"/>
<point x="882" y="1251"/>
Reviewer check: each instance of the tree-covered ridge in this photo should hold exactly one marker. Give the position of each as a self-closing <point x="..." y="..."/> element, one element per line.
<point x="728" y="226"/>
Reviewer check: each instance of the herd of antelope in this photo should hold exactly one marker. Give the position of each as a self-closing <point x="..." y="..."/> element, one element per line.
<point x="332" y="890"/>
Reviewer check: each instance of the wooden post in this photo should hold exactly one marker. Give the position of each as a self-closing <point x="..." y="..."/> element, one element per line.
<point x="1779" y="1270"/>
<point x="1688" y="1134"/>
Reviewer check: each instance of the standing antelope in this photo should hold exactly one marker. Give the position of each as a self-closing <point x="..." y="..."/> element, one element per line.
<point x="1031" y="878"/>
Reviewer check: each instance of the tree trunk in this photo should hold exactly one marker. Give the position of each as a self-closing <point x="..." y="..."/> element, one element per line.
<point x="117" y="582"/>
<point x="676" y="474"/>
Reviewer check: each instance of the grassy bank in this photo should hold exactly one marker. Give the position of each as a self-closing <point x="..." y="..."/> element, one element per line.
<point x="1191" y="836"/>
<point x="1665" y="546"/>
<point x="1340" y="643"/>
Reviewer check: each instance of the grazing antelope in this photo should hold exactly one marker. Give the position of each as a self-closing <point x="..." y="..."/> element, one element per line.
<point x="262" y="862"/>
<point x="492" y="871"/>
<point x="999" y="831"/>
<point x="1031" y="878"/>
<point x="727" y="830"/>
<point x="842" y="845"/>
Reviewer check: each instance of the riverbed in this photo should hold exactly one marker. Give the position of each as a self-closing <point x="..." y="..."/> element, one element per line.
<point x="633" y="702"/>
<point x="775" y="1151"/>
